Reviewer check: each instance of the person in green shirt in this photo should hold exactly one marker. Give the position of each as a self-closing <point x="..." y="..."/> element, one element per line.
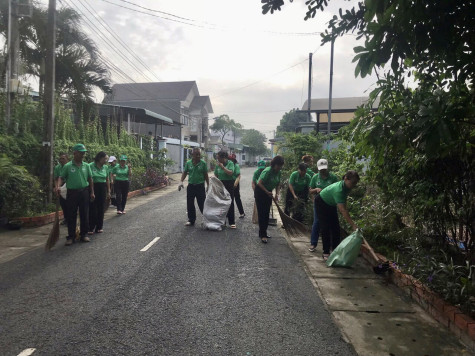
<point x="308" y="160"/>
<point x="330" y="198"/>
<point x="257" y="173"/>
<point x="319" y="181"/>
<point x="80" y="190"/>
<point x="297" y="192"/>
<point x="237" y="192"/>
<point x="63" y="159"/>
<point x="112" y="163"/>
<point x="100" y="177"/>
<point x="267" y="182"/>
<point x="224" y="171"/>
<point x="122" y="173"/>
<point x="197" y="171"/>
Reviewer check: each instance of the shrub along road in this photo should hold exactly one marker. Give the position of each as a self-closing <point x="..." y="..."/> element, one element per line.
<point x="191" y="292"/>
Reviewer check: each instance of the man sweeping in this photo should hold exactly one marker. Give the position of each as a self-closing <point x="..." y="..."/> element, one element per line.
<point x="80" y="191"/>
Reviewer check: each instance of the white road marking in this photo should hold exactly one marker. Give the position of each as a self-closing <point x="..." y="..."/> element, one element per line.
<point x="150" y="244"/>
<point x="27" y="352"/>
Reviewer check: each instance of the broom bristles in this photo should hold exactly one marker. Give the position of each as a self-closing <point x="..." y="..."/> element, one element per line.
<point x="293" y="227"/>
<point x="54" y="233"/>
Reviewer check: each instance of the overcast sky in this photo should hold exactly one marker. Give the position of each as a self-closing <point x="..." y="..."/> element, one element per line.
<point x="226" y="50"/>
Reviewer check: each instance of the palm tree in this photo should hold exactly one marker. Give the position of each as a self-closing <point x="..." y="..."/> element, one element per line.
<point x="79" y="71"/>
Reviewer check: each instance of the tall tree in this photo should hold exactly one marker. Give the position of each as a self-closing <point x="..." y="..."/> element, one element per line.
<point x="290" y="121"/>
<point x="255" y="140"/>
<point x="423" y="130"/>
<point x="223" y="124"/>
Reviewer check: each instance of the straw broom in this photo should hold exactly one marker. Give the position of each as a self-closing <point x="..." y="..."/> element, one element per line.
<point x="54" y="233"/>
<point x="293" y="227"/>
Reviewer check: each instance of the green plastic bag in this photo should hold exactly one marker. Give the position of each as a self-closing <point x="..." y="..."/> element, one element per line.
<point x="347" y="251"/>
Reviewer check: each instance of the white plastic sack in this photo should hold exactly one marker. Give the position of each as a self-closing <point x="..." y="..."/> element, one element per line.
<point x="216" y="205"/>
<point x="63" y="191"/>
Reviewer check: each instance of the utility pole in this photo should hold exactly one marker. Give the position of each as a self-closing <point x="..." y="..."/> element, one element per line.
<point x="48" y="128"/>
<point x="309" y="119"/>
<point x="330" y="95"/>
<point x="13" y="50"/>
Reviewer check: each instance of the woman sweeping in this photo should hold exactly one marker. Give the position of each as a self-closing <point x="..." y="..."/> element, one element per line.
<point x="224" y="172"/>
<point x="122" y="174"/>
<point x="327" y="202"/>
<point x="268" y="181"/>
<point x="100" y="177"/>
<point x="297" y="193"/>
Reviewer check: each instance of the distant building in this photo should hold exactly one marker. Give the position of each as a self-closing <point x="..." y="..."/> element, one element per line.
<point x="179" y="101"/>
<point x="343" y="110"/>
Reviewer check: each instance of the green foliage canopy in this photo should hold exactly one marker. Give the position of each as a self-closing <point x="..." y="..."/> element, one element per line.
<point x="224" y="124"/>
<point x="290" y="120"/>
<point x="255" y="140"/>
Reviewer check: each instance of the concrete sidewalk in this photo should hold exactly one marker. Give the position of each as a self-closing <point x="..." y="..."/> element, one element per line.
<point x="17" y="242"/>
<point x="376" y="317"/>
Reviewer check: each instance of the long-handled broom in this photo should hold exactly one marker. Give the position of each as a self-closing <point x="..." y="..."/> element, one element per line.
<point x="54" y="233"/>
<point x="293" y="227"/>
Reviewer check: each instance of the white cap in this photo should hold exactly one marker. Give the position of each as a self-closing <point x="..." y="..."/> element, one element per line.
<point x="112" y="159"/>
<point x="322" y="164"/>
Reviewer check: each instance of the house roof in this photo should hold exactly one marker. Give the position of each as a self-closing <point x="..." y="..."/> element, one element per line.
<point x="151" y="91"/>
<point x="338" y="104"/>
<point x="201" y="101"/>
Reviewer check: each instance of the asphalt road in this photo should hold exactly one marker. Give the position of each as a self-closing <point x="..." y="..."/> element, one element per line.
<point x="193" y="292"/>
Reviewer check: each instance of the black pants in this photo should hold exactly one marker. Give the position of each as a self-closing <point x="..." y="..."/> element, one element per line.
<point x="229" y="185"/>
<point x="329" y="224"/>
<point x="237" y="198"/>
<point x="64" y="207"/>
<point x="263" y="204"/>
<point x="77" y="199"/>
<point x="297" y="207"/>
<point x="121" y="191"/>
<point x="195" y="191"/>
<point x="96" y="208"/>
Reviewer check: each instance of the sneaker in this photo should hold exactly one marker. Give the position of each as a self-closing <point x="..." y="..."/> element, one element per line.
<point x="189" y="223"/>
<point x="312" y="248"/>
<point x="233" y="226"/>
<point x="85" y="239"/>
<point x="69" y="242"/>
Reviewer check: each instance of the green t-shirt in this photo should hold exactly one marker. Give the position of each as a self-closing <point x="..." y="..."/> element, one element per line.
<point x="237" y="171"/>
<point x="310" y="172"/>
<point x="57" y="170"/>
<point x="257" y="174"/>
<point x="299" y="183"/>
<point x="219" y="172"/>
<point x="196" y="173"/>
<point x="121" y="173"/>
<point x="318" y="182"/>
<point x="335" y="193"/>
<point x="99" y="175"/>
<point x="76" y="177"/>
<point x="270" y="178"/>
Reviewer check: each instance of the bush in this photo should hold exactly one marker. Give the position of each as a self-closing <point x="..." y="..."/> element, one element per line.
<point x="19" y="190"/>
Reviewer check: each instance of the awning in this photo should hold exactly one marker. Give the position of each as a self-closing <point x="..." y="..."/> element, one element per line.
<point x="158" y="116"/>
<point x="143" y="115"/>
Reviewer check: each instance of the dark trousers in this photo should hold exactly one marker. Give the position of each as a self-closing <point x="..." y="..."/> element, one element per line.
<point x="229" y="185"/>
<point x="297" y="207"/>
<point x="263" y="204"/>
<point x="121" y="191"/>
<point x="329" y="224"/>
<point x="237" y="198"/>
<point x="195" y="191"/>
<point x="77" y="199"/>
<point x="64" y="207"/>
<point x="96" y="208"/>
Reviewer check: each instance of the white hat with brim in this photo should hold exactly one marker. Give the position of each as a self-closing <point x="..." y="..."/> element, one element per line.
<point x="322" y="164"/>
<point x="112" y="159"/>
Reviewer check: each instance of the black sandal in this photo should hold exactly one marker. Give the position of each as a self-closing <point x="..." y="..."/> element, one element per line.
<point x="264" y="240"/>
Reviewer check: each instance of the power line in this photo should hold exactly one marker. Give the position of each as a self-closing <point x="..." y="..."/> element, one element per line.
<point x="206" y="25"/>
<point x="112" y="32"/>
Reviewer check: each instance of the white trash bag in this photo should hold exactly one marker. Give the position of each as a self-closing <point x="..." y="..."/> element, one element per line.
<point x="217" y="203"/>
